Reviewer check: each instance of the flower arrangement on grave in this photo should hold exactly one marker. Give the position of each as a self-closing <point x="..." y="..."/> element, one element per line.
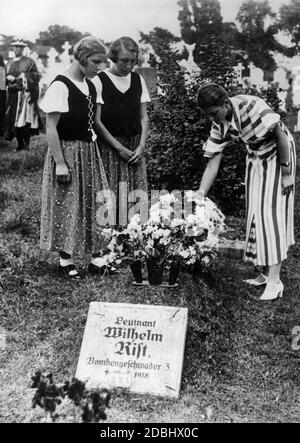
<point x="170" y="238"/>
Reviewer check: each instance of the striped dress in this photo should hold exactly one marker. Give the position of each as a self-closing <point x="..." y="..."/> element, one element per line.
<point x="270" y="215"/>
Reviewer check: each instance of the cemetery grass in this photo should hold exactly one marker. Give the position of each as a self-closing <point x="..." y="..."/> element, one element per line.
<point x="239" y="365"/>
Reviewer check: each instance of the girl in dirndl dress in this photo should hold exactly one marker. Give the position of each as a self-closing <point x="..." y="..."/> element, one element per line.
<point x="270" y="176"/>
<point x="73" y="174"/>
<point x="122" y="123"/>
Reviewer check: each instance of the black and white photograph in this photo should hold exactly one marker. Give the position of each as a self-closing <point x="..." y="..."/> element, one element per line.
<point x="149" y="214"/>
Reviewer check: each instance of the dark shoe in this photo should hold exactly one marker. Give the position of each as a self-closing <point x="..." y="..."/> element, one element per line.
<point x="70" y="271"/>
<point x="102" y="270"/>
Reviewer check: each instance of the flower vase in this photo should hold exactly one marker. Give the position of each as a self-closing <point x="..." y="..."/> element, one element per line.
<point x="155" y="273"/>
<point x="136" y="269"/>
<point x="174" y="273"/>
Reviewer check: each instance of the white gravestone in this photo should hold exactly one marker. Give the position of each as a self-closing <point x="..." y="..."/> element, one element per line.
<point x="257" y="76"/>
<point x="138" y="347"/>
<point x="191" y="69"/>
<point x="53" y="68"/>
<point x="281" y="78"/>
<point x="65" y="56"/>
<point x="296" y="86"/>
<point x="297" y="126"/>
<point x="239" y="72"/>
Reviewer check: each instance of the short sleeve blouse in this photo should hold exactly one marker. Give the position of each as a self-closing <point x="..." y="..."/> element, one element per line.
<point x="56" y="97"/>
<point x="122" y="84"/>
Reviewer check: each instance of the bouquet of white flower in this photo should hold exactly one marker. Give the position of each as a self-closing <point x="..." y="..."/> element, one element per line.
<point x="171" y="236"/>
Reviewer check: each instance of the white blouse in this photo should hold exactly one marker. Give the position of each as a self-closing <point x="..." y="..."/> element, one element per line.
<point x="56" y="97"/>
<point x="122" y="84"/>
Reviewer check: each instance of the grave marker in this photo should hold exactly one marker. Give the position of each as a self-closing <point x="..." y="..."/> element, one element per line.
<point x="138" y="347"/>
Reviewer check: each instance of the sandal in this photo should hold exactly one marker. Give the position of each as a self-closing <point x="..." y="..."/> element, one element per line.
<point x="70" y="271"/>
<point x="102" y="270"/>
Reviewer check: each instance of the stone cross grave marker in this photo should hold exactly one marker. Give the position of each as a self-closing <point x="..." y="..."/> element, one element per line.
<point x="239" y="71"/>
<point x="65" y="56"/>
<point x="138" y="347"/>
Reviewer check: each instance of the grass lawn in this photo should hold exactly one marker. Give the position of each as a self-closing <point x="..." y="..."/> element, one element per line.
<point x="239" y="364"/>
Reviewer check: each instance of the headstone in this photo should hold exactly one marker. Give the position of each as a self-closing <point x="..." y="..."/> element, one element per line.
<point x="239" y="71"/>
<point x="192" y="70"/>
<point x="294" y="63"/>
<point x="280" y="77"/>
<point x="52" y="69"/>
<point x="282" y="96"/>
<point x="296" y="86"/>
<point x="297" y="126"/>
<point x="138" y="347"/>
<point x="251" y="66"/>
<point x="65" y="56"/>
<point x="26" y="52"/>
<point x="2" y="79"/>
<point x="150" y="77"/>
<point x="52" y="54"/>
<point x="257" y="76"/>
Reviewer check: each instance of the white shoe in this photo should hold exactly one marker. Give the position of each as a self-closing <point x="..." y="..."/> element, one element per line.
<point x="256" y="282"/>
<point x="272" y="291"/>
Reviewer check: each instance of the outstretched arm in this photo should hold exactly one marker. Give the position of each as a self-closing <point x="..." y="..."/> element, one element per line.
<point x="210" y="174"/>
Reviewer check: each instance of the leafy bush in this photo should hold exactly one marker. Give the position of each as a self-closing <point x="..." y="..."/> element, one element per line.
<point x="178" y="130"/>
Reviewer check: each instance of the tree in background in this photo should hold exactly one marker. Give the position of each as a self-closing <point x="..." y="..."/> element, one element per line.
<point x="289" y="22"/>
<point x="57" y="35"/>
<point x="257" y="38"/>
<point x="200" y="21"/>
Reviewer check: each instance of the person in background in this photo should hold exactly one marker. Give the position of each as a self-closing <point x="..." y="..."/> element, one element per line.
<point x="122" y="123"/>
<point x="2" y="94"/>
<point x="270" y="176"/>
<point x="22" y="116"/>
<point x="73" y="174"/>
